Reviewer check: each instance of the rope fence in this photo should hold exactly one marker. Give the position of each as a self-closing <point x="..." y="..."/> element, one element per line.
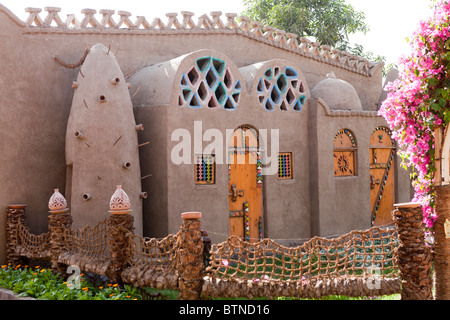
<point x="32" y="246"/>
<point x="152" y="262"/>
<point x="87" y="248"/>
<point x="359" y="254"/>
<point x="359" y="263"/>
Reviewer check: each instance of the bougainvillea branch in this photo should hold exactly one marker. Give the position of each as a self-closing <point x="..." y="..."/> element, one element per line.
<point x="418" y="101"/>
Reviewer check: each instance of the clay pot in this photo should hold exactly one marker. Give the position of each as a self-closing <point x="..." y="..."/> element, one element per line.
<point x="57" y="202"/>
<point x="120" y="202"/>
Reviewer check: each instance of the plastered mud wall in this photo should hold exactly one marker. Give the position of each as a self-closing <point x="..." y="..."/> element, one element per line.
<point x="36" y="95"/>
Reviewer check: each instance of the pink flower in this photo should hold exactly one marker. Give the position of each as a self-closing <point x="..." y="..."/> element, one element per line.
<point x="410" y="108"/>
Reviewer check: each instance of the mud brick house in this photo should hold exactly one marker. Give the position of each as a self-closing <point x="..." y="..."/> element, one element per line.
<point x="266" y="134"/>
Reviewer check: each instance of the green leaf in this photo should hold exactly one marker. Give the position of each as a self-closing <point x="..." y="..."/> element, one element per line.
<point x="436" y="107"/>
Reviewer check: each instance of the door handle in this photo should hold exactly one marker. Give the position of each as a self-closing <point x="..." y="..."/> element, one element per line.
<point x="234" y="193"/>
<point x="373" y="182"/>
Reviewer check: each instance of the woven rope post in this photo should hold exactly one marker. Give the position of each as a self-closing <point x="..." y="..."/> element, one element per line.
<point x="59" y="220"/>
<point x="414" y="256"/>
<point x="120" y="222"/>
<point x="442" y="244"/>
<point x="190" y="264"/>
<point x="15" y="215"/>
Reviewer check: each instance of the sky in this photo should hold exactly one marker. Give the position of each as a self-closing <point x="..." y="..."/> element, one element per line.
<point x="390" y="21"/>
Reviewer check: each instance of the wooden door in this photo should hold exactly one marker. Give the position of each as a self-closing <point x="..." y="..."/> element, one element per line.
<point x="245" y="185"/>
<point x="382" y="176"/>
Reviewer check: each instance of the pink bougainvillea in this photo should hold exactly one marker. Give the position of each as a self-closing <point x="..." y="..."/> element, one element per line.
<point x="418" y="101"/>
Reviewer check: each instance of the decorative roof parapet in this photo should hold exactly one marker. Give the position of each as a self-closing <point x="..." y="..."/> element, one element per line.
<point x="241" y="24"/>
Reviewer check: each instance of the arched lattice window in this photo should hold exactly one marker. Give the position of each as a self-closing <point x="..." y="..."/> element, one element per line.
<point x="281" y="88"/>
<point x="209" y="83"/>
<point x="344" y="153"/>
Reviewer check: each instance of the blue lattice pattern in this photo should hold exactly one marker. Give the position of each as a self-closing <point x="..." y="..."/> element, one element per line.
<point x="281" y="88"/>
<point x="209" y="83"/>
<point x="204" y="169"/>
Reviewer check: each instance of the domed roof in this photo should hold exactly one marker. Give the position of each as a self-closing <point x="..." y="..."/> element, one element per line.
<point x="337" y="93"/>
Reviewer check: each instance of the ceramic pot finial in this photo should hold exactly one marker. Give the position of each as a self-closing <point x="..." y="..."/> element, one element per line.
<point x="120" y="202"/>
<point x="57" y="202"/>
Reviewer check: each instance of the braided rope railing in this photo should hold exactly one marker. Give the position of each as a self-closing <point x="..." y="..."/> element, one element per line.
<point x="31" y="245"/>
<point x="355" y="264"/>
<point x="205" y="23"/>
<point x="87" y="248"/>
<point x="152" y="262"/>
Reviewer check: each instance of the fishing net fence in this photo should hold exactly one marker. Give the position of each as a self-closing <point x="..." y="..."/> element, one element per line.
<point x="360" y="263"/>
<point x="153" y="262"/>
<point x="356" y="264"/>
<point x="87" y="248"/>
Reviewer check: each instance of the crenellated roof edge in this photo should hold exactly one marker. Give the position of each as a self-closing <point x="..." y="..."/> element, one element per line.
<point x="213" y="23"/>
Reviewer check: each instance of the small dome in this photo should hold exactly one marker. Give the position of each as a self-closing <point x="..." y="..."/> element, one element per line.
<point x="337" y="93"/>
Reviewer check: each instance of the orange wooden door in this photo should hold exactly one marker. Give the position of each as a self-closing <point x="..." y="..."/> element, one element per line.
<point x="382" y="180"/>
<point x="245" y="185"/>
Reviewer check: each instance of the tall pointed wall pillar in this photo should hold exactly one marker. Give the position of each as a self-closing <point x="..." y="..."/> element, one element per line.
<point x="102" y="147"/>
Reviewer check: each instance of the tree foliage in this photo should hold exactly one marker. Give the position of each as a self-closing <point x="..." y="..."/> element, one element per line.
<point x="329" y="22"/>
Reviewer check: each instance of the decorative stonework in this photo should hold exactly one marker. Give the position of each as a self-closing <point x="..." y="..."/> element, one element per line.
<point x="205" y="23"/>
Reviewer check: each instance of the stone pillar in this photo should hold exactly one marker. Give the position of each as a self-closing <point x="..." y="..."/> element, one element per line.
<point x="414" y="257"/>
<point x="58" y="221"/>
<point x="442" y="244"/>
<point x="120" y="223"/>
<point x="190" y="257"/>
<point x="15" y="214"/>
<point x="57" y="224"/>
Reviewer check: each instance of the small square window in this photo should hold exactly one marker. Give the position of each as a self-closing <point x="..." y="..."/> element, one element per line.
<point x="285" y="166"/>
<point x="205" y="169"/>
